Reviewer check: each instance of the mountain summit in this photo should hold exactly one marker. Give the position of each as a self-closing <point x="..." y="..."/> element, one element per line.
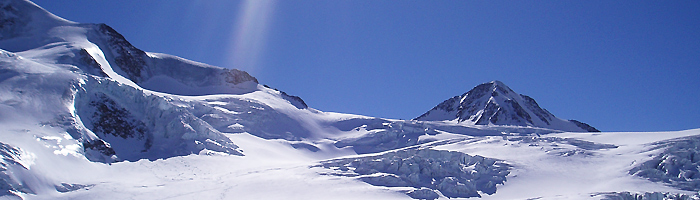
<point x="494" y="103"/>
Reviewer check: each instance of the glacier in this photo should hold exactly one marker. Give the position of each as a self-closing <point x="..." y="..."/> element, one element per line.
<point x="84" y="114"/>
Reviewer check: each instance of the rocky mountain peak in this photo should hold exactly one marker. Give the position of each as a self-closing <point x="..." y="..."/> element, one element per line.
<point x="494" y="103"/>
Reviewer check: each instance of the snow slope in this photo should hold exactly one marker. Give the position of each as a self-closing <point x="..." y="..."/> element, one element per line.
<point x="86" y="115"/>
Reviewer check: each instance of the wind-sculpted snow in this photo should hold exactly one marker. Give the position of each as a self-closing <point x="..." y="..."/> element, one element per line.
<point x="587" y="145"/>
<point x="555" y="145"/>
<point x="11" y="159"/>
<point x="453" y="174"/>
<point x="676" y="166"/>
<point x="234" y="115"/>
<point x="382" y="134"/>
<point x="174" y="75"/>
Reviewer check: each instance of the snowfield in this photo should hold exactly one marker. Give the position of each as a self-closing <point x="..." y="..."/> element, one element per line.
<point x="86" y="115"/>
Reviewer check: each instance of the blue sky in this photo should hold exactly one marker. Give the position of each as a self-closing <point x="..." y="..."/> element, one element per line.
<point x="617" y="65"/>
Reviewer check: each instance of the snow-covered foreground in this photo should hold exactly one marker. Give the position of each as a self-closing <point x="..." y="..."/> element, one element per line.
<point x="86" y="115"/>
<point x="546" y="167"/>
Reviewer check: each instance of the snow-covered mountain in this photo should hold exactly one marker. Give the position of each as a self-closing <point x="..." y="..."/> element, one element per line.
<point x="494" y="103"/>
<point x="84" y="115"/>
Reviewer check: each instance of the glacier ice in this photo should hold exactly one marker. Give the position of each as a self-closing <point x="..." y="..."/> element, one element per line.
<point x="453" y="174"/>
<point x="647" y="196"/>
<point x="678" y="165"/>
<point x="140" y="125"/>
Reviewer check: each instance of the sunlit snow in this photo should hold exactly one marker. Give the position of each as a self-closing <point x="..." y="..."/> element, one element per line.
<point x="85" y="115"/>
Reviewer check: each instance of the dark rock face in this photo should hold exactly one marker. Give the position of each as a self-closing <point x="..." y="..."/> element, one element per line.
<point x="235" y="76"/>
<point x="129" y="59"/>
<point x="99" y="146"/>
<point x="584" y="126"/>
<point x="532" y="105"/>
<point x="423" y="194"/>
<point x="454" y="174"/>
<point x="93" y="67"/>
<point x="294" y="100"/>
<point x="111" y="119"/>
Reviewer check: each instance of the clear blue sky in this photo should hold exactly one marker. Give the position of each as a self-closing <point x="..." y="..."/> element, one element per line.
<point x="617" y="65"/>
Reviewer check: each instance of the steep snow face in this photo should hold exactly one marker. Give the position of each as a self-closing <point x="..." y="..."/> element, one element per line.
<point x="166" y="73"/>
<point x="25" y="26"/>
<point x="494" y="103"/>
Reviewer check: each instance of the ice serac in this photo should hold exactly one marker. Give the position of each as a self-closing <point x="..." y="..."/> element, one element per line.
<point x="454" y="174"/>
<point x="677" y="166"/>
<point x="494" y="103"/>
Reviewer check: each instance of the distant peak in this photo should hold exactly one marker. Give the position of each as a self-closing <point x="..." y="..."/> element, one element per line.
<point x="494" y="103"/>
